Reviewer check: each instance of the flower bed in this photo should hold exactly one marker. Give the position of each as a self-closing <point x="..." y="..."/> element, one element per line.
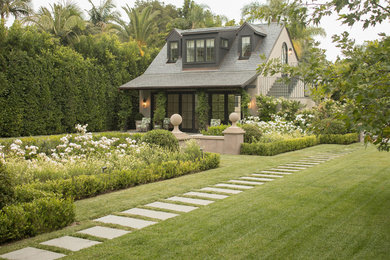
<point x="40" y="180"/>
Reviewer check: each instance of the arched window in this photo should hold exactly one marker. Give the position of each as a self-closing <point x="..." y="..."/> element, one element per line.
<point x="284" y="54"/>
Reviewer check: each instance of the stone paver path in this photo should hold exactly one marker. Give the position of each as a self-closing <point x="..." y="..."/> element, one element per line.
<point x="206" y="195"/>
<point x="71" y="243"/>
<point x="150" y="213"/>
<point x="170" y="206"/>
<point x="125" y="221"/>
<point x="200" y="202"/>
<point x="31" y="253"/>
<point x="104" y="232"/>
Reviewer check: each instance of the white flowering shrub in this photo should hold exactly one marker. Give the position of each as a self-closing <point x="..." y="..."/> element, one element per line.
<point x="277" y="124"/>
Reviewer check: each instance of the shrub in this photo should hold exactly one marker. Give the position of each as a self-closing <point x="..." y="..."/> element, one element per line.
<point x="269" y="149"/>
<point x="215" y="130"/>
<point x="159" y="113"/>
<point x="339" y="139"/>
<point x="6" y="186"/>
<point x="289" y="108"/>
<point x="202" y="109"/>
<point x="267" y="107"/>
<point x="28" y="219"/>
<point x="162" y="138"/>
<point x="192" y="151"/>
<point x="329" y="126"/>
<point x="252" y="133"/>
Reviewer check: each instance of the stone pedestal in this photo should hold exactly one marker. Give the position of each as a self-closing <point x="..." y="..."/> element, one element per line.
<point x="176" y="120"/>
<point x="234" y="136"/>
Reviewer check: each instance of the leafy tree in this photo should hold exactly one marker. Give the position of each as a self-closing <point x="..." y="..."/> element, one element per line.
<point x="15" y="8"/>
<point x="102" y="16"/>
<point x="63" y="21"/>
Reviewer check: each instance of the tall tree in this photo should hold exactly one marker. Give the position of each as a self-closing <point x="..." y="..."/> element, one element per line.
<point x="15" y="8"/>
<point x="64" y="21"/>
<point x="293" y="15"/>
<point x="102" y="16"/>
<point x="141" y="25"/>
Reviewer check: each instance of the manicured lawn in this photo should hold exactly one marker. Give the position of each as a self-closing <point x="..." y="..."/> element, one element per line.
<point x="339" y="209"/>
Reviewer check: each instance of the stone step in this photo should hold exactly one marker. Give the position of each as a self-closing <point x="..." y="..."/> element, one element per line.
<point x="264" y="179"/>
<point x="242" y="187"/>
<point x="191" y="201"/>
<point x="71" y="243"/>
<point x="285" y="170"/>
<point x="261" y="175"/>
<point x="298" y="165"/>
<point x="104" y="232"/>
<point x="308" y="163"/>
<point x="170" y="206"/>
<point x="291" y="167"/>
<point x="206" y="195"/>
<point x="247" y="182"/>
<point x="150" y="213"/>
<point x="274" y="172"/>
<point x="125" y="221"/>
<point x="31" y="253"/>
<point x="229" y="191"/>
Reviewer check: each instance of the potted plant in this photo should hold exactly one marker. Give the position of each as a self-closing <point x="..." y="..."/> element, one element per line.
<point x="159" y="113"/>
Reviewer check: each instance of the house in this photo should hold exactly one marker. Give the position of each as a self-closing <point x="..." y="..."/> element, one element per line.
<point x="219" y="61"/>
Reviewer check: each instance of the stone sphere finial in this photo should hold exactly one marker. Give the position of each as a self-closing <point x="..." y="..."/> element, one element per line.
<point x="176" y="119"/>
<point x="234" y="117"/>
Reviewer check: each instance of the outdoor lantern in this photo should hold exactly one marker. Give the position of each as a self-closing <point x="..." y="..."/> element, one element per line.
<point x="144" y="102"/>
<point x="290" y="52"/>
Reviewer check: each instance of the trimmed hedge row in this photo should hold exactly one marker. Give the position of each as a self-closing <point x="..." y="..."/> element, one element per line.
<point x="23" y="220"/>
<point x="269" y="149"/>
<point x="84" y="186"/>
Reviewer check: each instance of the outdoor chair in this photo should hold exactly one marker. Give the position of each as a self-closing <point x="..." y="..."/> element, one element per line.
<point x="145" y="124"/>
<point x="215" y="122"/>
<point x="166" y="123"/>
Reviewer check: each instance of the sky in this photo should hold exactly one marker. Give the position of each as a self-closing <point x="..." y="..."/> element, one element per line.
<point x="232" y="10"/>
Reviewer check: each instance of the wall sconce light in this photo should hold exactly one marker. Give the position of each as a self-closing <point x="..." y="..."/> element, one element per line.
<point x="290" y="52"/>
<point x="252" y="103"/>
<point x="144" y="103"/>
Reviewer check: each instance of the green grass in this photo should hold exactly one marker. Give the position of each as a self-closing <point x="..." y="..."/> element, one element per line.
<point x="339" y="209"/>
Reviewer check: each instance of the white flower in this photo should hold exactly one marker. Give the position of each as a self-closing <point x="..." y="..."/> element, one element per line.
<point x="18" y="141"/>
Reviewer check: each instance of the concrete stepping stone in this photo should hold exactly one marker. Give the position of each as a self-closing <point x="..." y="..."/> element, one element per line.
<point x="229" y="191"/>
<point x="302" y="165"/>
<point x="104" y="232"/>
<point x="170" y="206"/>
<point x="291" y="167"/>
<point x="150" y="213"/>
<point x="206" y="195"/>
<point x="247" y="182"/>
<point x="261" y="175"/>
<point x="274" y="172"/>
<point x="243" y="187"/>
<point x="264" y="179"/>
<point x="31" y="253"/>
<point x="191" y="201"/>
<point x="125" y="221"/>
<point x="285" y="170"/>
<point x="71" y="243"/>
<point x="309" y="163"/>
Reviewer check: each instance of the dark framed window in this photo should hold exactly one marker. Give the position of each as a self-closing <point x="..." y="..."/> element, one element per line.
<point x="200" y="50"/>
<point x="173" y="51"/>
<point x="284" y="58"/>
<point x="224" y="43"/>
<point x="246" y="47"/>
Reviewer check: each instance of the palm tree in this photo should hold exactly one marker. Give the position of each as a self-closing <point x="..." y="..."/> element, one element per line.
<point x="63" y="21"/>
<point x="15" y="8"/>
<point x="102" y="16"/>
<point x="140" y="27"/>
<point x="292" y="15"/>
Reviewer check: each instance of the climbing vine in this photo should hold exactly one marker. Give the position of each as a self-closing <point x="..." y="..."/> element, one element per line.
<point x="202" y="110"/>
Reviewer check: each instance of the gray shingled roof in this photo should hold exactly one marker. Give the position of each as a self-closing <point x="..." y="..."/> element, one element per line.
<point x="232" y="71"/>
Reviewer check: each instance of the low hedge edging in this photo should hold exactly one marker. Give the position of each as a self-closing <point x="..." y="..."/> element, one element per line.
<point x="28" y="219"/>
<point x="269" y="149"/>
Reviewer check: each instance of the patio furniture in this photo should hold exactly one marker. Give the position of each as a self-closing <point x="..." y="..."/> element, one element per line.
<point x="145" y="124"/>
<point x="215" y="122"/>
<point x="166" y="123"/>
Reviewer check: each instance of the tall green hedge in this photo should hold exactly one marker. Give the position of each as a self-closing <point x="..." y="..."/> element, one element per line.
<point x="46" y="88"/>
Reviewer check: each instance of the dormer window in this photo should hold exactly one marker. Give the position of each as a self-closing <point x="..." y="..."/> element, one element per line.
<point x="200" y="51"/>
<point x="173" y="53"/>
<point x="224" y="43"/>
<point x="246" y="47"/>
